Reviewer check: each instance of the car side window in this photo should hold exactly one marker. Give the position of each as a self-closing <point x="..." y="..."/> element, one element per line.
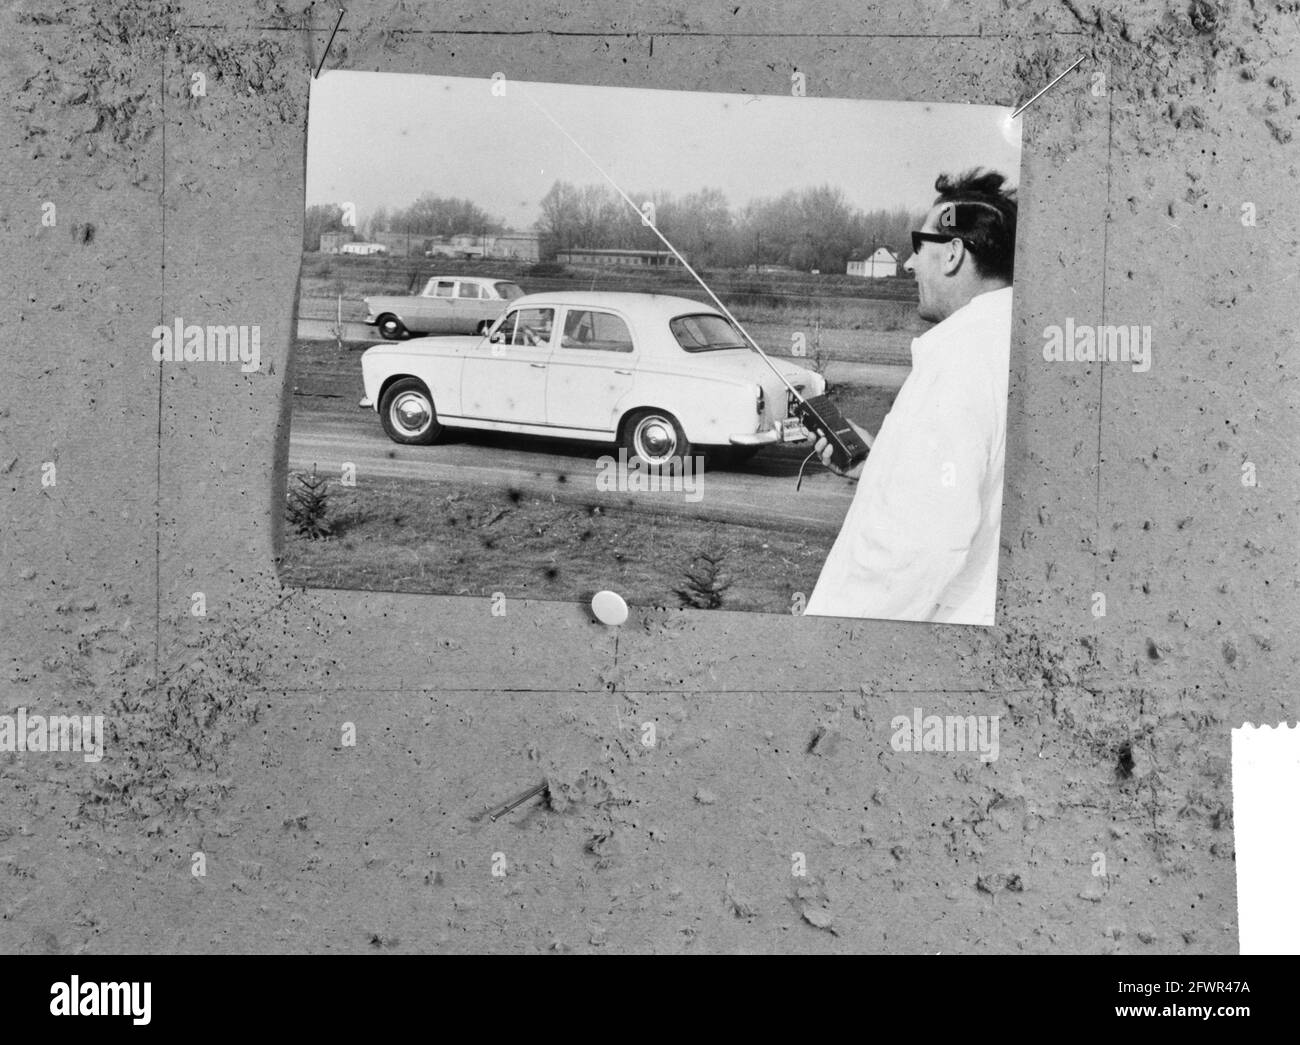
<point x="598" y="331"/>
<point x="526" y="327"/>
<point x="502" y="330"/>
<point x="468" y="290"/>
<point x="446" y="288"/>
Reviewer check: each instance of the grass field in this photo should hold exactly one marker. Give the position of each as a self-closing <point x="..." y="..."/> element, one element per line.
<point x="457" y="539"/>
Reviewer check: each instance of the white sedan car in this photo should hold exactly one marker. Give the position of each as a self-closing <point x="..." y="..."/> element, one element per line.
<point x="659" y="375"/>
<point x="446" y="305"/>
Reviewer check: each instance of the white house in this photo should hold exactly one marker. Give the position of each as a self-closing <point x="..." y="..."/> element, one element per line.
<point x="879" y="265"/>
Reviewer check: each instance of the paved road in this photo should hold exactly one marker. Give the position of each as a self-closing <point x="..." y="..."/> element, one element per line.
<point x="760" y="492"/>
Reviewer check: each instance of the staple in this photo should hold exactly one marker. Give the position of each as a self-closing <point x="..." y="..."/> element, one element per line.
<point x="503" y="810"/>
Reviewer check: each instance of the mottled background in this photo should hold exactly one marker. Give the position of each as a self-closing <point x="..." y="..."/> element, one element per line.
<point x="772" y="733"/>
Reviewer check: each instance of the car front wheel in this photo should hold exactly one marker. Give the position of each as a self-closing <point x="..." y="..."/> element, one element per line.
<point x="655" y="438"/>
<point x="407" y="413"/>
<point x="390" y="327"/>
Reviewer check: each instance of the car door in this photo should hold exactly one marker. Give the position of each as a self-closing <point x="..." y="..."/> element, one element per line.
<point x="591" y="369"/>
<point x="436" y="307"/>
<point x="504" y="377"/>
<point x="470" y="309"/>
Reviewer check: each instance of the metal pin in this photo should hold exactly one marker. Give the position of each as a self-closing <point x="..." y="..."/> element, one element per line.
<point x="342" y="12"/>
<point x="531" y="792"/>
<point x="1046" y="89"/>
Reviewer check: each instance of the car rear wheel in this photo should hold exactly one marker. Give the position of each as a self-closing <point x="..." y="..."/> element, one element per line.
<point x="408" y="415"/>
<point x="655" y="438"/>
<point x="390" y="327"/>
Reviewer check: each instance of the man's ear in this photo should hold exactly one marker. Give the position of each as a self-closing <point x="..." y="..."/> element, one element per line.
<point x="955" y="257"/>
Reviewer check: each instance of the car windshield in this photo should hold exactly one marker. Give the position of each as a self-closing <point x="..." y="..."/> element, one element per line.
<point x="705" y="333"/>
<point x="510" y="291"/>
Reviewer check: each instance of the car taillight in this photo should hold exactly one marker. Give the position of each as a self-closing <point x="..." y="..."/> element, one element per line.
<point x="762" y="400"/>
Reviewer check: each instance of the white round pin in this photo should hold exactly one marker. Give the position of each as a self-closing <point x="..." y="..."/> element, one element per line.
<point x="609" y="607"/>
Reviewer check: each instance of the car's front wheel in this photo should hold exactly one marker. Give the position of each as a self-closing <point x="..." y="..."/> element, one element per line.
<point x="655" y="438"/>
<point x="408" y="415"/>
<point x="390" y="327"/>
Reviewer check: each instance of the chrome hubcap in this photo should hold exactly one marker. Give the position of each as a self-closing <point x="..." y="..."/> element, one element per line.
<point x="412" y="412"/>
<point x="655" y="440"/>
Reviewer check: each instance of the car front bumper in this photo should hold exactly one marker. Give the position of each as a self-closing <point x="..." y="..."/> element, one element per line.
<point x="787" y="430"/>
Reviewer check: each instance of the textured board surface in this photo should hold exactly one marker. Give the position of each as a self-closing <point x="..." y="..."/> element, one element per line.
<point x="1161" y="195"/>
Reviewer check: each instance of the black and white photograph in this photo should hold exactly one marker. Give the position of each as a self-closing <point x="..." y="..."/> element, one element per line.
<point x="591" y="329"/>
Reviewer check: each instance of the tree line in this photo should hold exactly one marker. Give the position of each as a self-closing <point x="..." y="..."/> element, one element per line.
<point x="429" y="215"/>
<point x="812" y="228"/>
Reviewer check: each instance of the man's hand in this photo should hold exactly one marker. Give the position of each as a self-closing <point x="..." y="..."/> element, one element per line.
<point x="823" y="449"/>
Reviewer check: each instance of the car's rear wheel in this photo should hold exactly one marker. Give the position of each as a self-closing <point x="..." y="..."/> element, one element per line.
<point x="655" y="438"/>
<point x="390" y="327"/>
<point x="407" y="413"/>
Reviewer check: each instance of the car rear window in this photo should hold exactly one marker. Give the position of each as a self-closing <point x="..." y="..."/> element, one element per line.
<point x="705" y="333"/>
<point x="510" y="291"/>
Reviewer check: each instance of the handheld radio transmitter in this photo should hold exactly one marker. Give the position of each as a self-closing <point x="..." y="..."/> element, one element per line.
<point x="820" y="414"/>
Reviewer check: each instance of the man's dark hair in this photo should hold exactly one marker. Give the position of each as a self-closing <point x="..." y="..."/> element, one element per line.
<point x="984" y="216"/>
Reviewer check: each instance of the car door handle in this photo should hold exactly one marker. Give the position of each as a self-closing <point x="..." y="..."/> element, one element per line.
<point x="540" y="366"/>
<point x="623" y="372"/>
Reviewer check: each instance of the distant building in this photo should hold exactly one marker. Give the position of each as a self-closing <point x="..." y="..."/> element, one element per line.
<point x="521" y="246"/>
<point x="330" y="242"/>
<point x="879" y="265"/>
<point x="363" y="248"/>
<point x="467" y="245"/>
<point x="616" y="257"/>
<point x="399" y="244"/>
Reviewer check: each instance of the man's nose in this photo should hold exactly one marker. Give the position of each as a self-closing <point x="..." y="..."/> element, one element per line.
<point x="909" y="265"/>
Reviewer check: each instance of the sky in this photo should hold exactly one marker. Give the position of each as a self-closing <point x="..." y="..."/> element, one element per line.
<point x="383" y="139"/>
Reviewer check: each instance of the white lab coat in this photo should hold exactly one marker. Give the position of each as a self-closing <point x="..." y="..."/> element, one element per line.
<point x="920" y="540"/>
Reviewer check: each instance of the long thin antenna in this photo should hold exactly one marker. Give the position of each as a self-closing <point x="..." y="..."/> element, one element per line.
<point x="676" y="253"/>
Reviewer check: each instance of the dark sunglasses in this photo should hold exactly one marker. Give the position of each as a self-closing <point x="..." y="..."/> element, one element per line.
<point x="931" y="237"/>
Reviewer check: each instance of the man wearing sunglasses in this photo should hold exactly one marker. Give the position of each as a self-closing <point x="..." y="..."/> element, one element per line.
<point x="920" y="539"/>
